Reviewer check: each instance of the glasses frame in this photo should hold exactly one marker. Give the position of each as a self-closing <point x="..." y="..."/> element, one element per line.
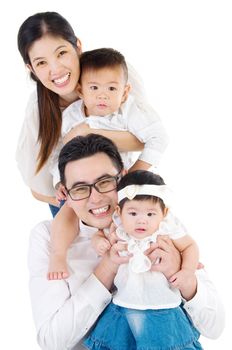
<point x="93" y="185"/>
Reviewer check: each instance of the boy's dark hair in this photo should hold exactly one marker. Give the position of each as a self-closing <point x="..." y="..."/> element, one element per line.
<point x="102" y="58"/>
<point x="141" y="177"/>
<point x="87" y="146"/>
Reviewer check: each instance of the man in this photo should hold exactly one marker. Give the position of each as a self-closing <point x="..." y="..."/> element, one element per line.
<point x="65" y="310"/>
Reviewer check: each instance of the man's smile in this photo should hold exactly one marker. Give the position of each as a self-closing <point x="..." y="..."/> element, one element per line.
<point x="100" y="211"/>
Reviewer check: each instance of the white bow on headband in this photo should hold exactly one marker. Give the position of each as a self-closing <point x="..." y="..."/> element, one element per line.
<point x="160" y="191"/>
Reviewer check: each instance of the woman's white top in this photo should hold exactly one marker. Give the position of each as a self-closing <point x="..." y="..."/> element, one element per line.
<point x="28" y="146"/>
<point x="137" y="286"/>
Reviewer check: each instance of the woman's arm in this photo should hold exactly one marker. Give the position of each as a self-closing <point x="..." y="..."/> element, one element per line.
<point x="46" y="199"/>
<point x="201" y="300"/>
<point x="140" y="165"/>
<point x="124" y="140"/>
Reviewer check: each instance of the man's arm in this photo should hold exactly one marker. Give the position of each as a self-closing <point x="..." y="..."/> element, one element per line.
<point x="205" y="308"/>
<point x="201" y="300"/>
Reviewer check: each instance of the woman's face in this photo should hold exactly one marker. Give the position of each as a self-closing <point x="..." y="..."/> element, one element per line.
<point x="55" y="62"/>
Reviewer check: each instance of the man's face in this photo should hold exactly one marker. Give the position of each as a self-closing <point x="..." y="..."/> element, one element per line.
<point x="96" y="210"/>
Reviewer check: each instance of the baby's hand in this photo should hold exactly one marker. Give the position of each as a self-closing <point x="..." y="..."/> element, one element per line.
<point x="117" y="255"/>
<point x="112" y="237"/>
<point x="102" y="246"/>
<point x="60" y="192"/>
<point x="181" y="278"/>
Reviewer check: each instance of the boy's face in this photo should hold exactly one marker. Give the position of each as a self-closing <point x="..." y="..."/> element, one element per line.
<point x="140" y="219"/>
<point x="96" y="210"/>
<point x="103" y="90"/>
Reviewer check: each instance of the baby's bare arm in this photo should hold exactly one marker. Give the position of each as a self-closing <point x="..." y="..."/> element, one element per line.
<point x="190" y="259"/>
<point x="190" y="252"/>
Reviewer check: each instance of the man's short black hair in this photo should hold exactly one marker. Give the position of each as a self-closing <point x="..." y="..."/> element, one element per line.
<point x="86" y="146"/>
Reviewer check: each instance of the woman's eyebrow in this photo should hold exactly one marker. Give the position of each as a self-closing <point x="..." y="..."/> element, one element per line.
<point x="60" y="47"/>
<point x="40" y="58"/>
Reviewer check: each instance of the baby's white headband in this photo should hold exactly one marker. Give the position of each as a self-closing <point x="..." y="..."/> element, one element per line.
<point x="161" y="191"/>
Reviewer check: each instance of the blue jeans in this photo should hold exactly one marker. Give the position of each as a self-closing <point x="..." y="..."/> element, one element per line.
<point x="120" y="328"/>
<point x="54" y="209"/>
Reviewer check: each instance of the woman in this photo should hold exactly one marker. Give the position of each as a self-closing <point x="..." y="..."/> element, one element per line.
<point x="51" y="50"/>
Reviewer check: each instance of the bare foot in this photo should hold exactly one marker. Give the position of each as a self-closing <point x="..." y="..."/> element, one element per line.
<point x="58" y="269"/>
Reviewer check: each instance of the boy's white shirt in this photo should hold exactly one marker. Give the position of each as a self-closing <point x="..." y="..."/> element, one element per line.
<point x="65" y="310"/>
<point x="143" y="123"/>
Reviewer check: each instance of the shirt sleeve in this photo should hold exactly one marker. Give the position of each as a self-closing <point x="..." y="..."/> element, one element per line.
<point x="72" y="116"/>
<point x="145" y="124"/>
<point x="61" y="319"/>
<point x="28" y="149"/>
<point x="137" y="86"/>
<point x="206" y="309"/>
<point x="172" y="226"/>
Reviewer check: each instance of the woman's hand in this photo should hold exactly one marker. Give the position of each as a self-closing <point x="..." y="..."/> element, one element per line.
<point x="164" y="256"/>
<point x="82" y="129"/>
<point x="46" y="199"/>
<point x="60" y="192"/>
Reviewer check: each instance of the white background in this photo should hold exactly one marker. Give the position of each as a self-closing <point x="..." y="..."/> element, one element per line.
<point x="182" y="49"/>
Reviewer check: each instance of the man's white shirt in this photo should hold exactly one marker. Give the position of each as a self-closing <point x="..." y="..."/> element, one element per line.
<point x="65" y="310"/>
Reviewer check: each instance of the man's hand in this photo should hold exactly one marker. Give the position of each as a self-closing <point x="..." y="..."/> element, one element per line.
<point x="164" y="256"/>
<point x="115" y="251"/>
